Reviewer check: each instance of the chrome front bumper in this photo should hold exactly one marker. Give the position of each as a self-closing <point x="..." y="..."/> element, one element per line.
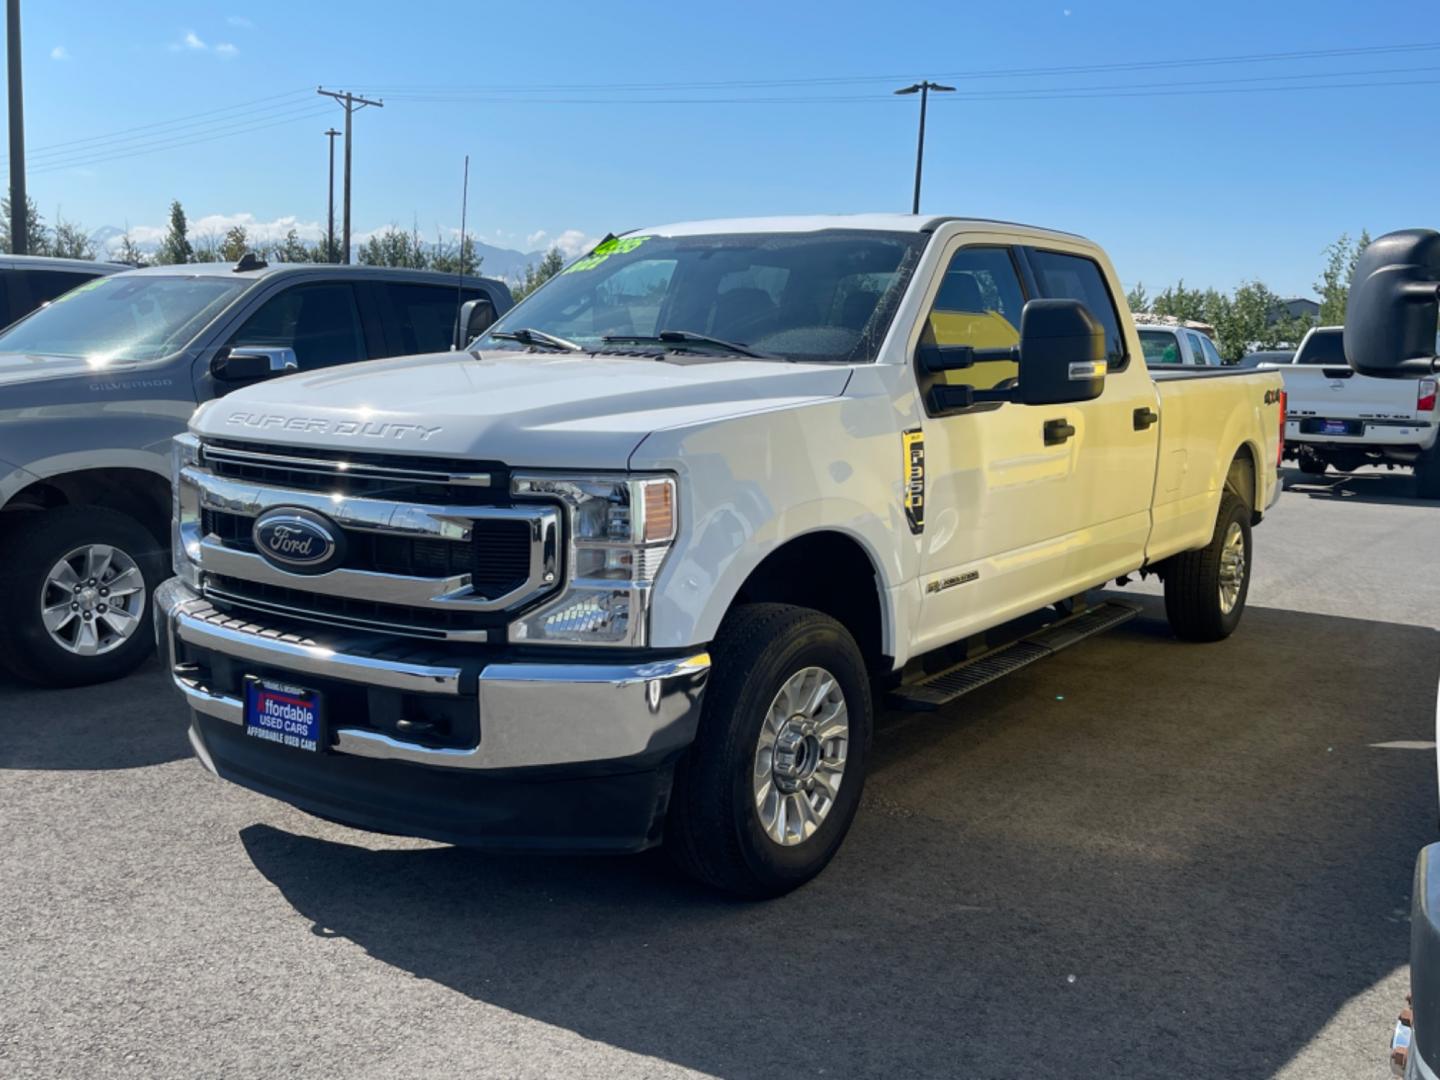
<point x="531" y="714"/>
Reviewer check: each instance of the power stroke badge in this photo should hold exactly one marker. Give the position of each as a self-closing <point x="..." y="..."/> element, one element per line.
<point x="913" y="444"/>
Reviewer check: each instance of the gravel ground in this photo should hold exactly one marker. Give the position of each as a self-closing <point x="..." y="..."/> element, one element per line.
<point x="1139" y="858"/>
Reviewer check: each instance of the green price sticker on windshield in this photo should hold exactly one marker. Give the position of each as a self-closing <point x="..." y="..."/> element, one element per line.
<point x="79" y="289"/>
<point x="617" y="246"/>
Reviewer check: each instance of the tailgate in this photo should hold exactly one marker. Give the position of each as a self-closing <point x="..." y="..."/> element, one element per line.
<point x="1317" y="393"/>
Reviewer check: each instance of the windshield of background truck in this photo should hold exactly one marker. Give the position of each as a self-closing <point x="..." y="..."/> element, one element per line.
<point x="1159" y="347"/>
<point x="120" y="318"/>
<point x="1323" y="348"/>
<point x="826" y="295"/>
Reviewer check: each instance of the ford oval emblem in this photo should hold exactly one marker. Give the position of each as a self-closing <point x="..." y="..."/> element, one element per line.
<point x="297" y="540"/>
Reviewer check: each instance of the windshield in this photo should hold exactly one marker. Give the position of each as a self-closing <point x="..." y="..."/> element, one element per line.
<point x="1323" y="347"/>
<point x="123" y="318"/>
<point x="1160" y="347"/>
<point x="827" y="295"/>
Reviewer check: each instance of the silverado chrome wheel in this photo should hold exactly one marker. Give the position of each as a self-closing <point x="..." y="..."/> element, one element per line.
<point x="1232" y="567"/>
<point x="93" y="600"/>
<point x="800" y="756"/>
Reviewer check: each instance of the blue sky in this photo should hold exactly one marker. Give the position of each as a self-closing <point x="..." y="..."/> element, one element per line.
<point x="563" y="107"/>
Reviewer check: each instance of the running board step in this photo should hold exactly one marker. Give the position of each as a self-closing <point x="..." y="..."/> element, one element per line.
<point x="935" y="691"/>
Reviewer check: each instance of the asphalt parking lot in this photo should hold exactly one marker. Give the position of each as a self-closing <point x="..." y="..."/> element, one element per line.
<point x="1139" y="858"/>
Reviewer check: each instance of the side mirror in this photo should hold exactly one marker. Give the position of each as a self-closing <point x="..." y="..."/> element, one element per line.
<point x="246" y="363"/>
<point x="475" y="318"/>
<point x="1390" y="316"/>
<point x="1062" y="354"/>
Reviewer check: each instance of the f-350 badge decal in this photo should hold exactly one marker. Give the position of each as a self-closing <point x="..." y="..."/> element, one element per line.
<point x="913" y="443"/>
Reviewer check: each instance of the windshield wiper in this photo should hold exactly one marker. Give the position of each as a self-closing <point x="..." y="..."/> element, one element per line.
<point x="528" y="336"/>
<point x="682" y="337"/>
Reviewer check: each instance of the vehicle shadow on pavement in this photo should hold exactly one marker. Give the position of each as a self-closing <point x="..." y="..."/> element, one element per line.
<point x="1138" y="858"/>
<point x="128" y="724"/>
<point x="1366" y="486"/>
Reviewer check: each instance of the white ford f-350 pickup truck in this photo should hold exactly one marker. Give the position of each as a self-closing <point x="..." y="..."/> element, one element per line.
<point x="630" y="568"/>
<point x="1344" y="419"/>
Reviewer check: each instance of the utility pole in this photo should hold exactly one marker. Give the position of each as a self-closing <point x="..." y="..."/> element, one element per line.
<point x="330" y="232"/>
<point x="351" y="104"/>
<point x="19" y="205"/>
<point x="923" y="89"/>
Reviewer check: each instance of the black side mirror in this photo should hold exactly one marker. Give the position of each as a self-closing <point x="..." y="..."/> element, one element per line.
<point x="1390" y="316"/>
<point x="246" y="363"/>
<point x="476" y="316"/>
<point x="1062" y="354"/>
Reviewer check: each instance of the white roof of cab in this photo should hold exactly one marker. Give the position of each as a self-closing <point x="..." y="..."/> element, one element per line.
<point x="911" y="223"/>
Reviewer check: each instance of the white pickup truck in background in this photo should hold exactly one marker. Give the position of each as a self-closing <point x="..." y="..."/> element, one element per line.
<point x="1338" y="418"/>
<point x="629" y="570"/>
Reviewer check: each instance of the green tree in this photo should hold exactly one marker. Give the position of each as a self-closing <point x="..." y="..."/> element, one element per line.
<point x="70" y="240"/>
<point x="175" y="247"/>
<point x="1180" y="303"/>
<point x="1137" y="298"/>
<point x="37" y="235"/>
<point x="536" y="274"/>
<point x="452" y="258"/>
<point x="395" y="247"/>
<point x="206" y="249"/>
<point x="235" y="244"/>
<point x="129" y="252"/>
<point x="1334" y="283"/>
<point x="294" y="250"/>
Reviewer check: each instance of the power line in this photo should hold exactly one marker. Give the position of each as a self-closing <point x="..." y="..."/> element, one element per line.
<point x="182" y="120"/>
<point x="59" y="156"/>
<point x="967" y="75"/>
<point x="183" y="142"/>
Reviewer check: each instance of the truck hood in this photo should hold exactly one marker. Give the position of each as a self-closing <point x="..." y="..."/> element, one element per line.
<point x="18" y="368"/>
<point x="537" y="410"/>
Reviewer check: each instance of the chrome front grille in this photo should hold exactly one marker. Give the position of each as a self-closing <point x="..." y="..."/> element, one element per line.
<point x="424" y="566"/>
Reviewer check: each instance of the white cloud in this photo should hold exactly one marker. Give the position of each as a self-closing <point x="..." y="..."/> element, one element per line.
<point x="191" y="40"/>
<point x="225" y="49"/>
<point x="571" y="242"/>
<point x="59" y="53"/>
<point x="241" y="21"/>
<point x="263" y="232"/>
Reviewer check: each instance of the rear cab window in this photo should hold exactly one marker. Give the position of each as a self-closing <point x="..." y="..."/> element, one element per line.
<point x="1062" y="276"/>
<point x="1323" y="347"/>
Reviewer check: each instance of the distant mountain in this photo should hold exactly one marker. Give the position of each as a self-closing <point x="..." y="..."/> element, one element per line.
<point x="498" y="262"/>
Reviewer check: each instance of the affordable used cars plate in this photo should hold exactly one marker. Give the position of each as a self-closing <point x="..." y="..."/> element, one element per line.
<point x="1335" y="427"/>
<point x="282" y="714"/>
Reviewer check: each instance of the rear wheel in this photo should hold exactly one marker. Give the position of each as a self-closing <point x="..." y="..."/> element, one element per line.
<point x="1205" y="590"/>
<point x="1310" y="462"/>
<point x="75" y="589"/>
<point x="1427" y="473"/>
<point x="767" y="792"/>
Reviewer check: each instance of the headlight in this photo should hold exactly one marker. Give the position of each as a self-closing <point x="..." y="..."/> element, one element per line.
<point x="184" y="511"/>
<point x="619" y="530"/>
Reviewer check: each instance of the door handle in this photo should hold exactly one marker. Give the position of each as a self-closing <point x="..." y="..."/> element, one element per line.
<point x="1144" y="418"/>
<point x="1057" y="431"/>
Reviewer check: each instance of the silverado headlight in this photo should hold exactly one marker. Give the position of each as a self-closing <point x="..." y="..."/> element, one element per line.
<point x="618" y="531"/>
<point x="184" y="511"/>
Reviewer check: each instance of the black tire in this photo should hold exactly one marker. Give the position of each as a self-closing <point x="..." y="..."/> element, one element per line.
<point x="1192" y="580"/>
<point x="714" y="832"/>
<point x="1427" y="473"/>
<point x="1310" y="462"/>
<point x="33" y="544"/>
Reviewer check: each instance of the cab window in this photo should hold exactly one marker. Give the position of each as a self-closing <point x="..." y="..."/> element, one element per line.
<point x="1197" y="350"/>
<point x="1212" y="354"/>
<point x="320" y="322"/>
<point x="1160" y="347"/>
<point x="1074" y="277"/>
<point x="978" y="305"/>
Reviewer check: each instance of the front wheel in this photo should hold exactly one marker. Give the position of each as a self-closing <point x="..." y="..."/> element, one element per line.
<point x="1205" y="590"/>
<point x="75" y="586"/>
<point x="767" y="792"/>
